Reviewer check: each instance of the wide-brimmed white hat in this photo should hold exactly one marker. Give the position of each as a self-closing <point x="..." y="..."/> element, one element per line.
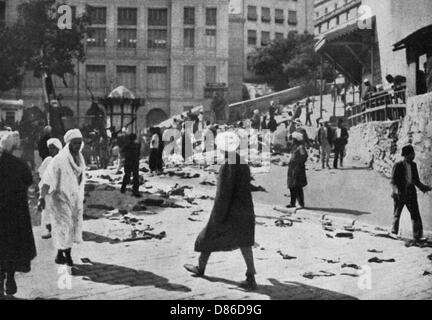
<point x="227" y="141"/>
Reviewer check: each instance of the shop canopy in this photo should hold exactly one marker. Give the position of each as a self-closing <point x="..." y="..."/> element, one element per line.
<point x="348" y="47"/>
<point x="419" y="40"/>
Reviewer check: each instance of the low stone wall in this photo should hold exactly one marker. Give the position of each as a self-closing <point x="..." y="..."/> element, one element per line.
<point x="417" y="130"/>
<point x="380" y="143"/>
<point x="375" y="143"/>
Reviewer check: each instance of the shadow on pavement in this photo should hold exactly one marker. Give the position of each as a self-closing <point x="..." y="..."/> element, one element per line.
<point x="355" y="168"/>
<point x="118" y="275"/>
<point x="289" y="290"/>
<point x="339" y="210"/>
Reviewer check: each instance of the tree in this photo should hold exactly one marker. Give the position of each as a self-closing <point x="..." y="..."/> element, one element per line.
<point x="12" y="53"/>
<point x="290" y="62"/>
<point x="51" y="50"/>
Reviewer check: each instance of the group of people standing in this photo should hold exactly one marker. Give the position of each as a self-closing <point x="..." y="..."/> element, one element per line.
<point x="328" y="139"/>
<point x="62" y="180"/>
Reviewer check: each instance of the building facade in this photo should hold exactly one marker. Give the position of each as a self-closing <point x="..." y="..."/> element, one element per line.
<point x="358" y="35"/>
<point x="266" y="21"/>
<point x="168" y="52"/>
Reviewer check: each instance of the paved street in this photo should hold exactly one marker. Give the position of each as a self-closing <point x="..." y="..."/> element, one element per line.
<point x="354" y="192"/>
<point x="299" y="261"/>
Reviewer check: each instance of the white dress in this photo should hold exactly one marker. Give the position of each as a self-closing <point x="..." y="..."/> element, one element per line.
<point x="45" y="218"/>
<point x="65" y="199"/>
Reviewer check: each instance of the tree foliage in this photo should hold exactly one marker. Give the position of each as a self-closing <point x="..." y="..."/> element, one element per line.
<point x="290" y="62"/>
<point x="52" y="50"/>
<point x="12" y="57"/>
<point x="36" y="43"/>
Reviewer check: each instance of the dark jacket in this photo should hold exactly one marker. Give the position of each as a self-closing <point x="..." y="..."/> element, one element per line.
<point x="232" y="220"/>
<point x="43" y="148"/>
<point x="255" y="122"/>
<point x="343" y="140"/>
<point x="399" y="177"/>
<point x="132" y="152"/>
<point x="297" y="168"/>
<point x="17" y="246"/>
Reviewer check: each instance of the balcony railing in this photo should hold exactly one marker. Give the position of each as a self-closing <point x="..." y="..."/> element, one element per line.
<point x="381" y="106"/>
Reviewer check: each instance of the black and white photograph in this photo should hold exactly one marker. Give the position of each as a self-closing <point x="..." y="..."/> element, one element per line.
<point x="215" y="150"/>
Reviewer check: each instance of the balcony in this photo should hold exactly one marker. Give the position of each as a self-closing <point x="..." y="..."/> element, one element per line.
<point x="381" y="106"/>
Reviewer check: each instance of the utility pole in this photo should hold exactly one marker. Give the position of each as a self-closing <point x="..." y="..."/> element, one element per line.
<point x="78" y="94"/>
<point x="321" y="87"/>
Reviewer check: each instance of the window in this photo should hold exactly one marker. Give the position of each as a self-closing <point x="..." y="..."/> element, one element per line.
<point x="95" y="76"/>
<point x="210" y="74"/>
<point x="127" y="38"/>
<point x="158" y="17"/>
<point x="157" y="39"/>
<point x="211" y="38"/>
<point x="127" y="34"/>
<point x="189" y="16"/>
<point x="252" y="37"/>
<point x="98" y="15"/>
<point x="292" y="17"/>
<point x="10" y="117"/>
<point x="157" y="78"/>
<point x="249" y="63"/>
<point x="127" y="17"/>
<point x="157" y="28"/>
<point x="265" y="38"/>
<point x="96" y="37"/>
<point x="265" y="15"/>
<point x="279" y="16"/>
<point x="211" y="16"/>
<point x="126" y="76"/>
<point x="252" y="13"/>
<point x="279" y="36"/>
<point x="188" y="78"/>
<point x="189" y="38"/>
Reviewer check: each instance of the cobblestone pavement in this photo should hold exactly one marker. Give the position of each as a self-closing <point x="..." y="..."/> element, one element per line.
<point x="153" y="269"/>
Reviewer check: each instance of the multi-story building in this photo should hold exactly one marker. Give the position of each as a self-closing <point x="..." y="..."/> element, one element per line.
<point x="358" y="35"/>
<point x="266" y="21"/>
<point x="168" y="52"/>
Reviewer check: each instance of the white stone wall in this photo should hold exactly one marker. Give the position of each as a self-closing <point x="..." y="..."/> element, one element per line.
<point x="380" y="143"/>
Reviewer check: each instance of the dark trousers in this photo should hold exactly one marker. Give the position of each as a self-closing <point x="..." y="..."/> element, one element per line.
<point x="339" y="155"/>
<point x="297" y="194"/>
<point x="410" y="201"/>
<point x="308" y="120"/>
<point x="126" y="178"/>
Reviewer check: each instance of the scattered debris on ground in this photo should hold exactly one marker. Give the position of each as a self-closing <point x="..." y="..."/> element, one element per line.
<point x="378" y="260"/>
<point x="283" y="223"/>
<point x="321" y="273"/>
<point x="286" y="256"/>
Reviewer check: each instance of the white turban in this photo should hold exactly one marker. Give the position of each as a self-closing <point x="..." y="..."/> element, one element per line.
<point x="9" y="140"/>
<point x="227" y="141"/>
<point x="297" y="136"/>
<point x="55" y="142"/>
<point x="72" y="134"/>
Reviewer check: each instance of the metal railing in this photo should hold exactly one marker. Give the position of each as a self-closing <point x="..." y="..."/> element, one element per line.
<point x="382" y="106"/>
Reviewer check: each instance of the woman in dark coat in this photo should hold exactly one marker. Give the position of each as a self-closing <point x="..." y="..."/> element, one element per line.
<point x="232" y="221"/>
<point x="17" y="246"/>
<point x="297" y="170"/>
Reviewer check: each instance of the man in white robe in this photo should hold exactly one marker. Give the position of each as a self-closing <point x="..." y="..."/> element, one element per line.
<point x="54" y="146"/>
<point x="64" y="182"/>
